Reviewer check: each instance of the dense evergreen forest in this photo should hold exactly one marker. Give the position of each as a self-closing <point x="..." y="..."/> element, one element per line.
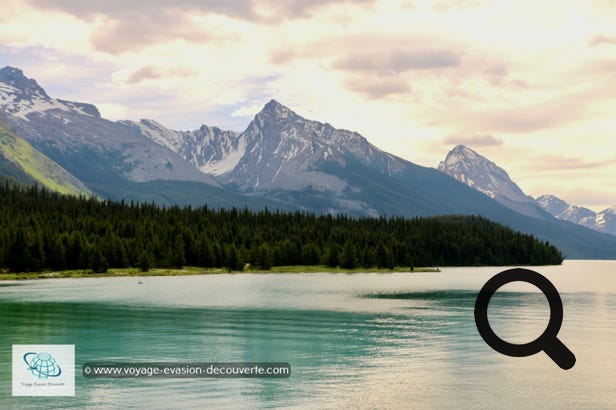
<point x="41" y="230"/>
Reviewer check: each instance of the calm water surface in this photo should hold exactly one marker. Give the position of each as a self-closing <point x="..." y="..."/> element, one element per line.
<point x="401" y="340"/>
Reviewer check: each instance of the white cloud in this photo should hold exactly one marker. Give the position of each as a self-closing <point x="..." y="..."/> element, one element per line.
<point x="397" y="60"/>
<point x="378" y="87"/>
<point x="405" y="76"/>
<point x="475" y="140"/>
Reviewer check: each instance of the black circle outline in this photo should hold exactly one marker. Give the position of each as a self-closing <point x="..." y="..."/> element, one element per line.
<point x="518" y="275"/>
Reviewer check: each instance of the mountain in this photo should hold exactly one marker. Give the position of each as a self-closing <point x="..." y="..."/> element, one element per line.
<point x="111" y="159"/>
<point x="604" y="221"/>
<point x="209" y="148"/>
<point x="313" y="166"/>
<point x="282" y="155"/>
<point x="282" y="161"/>
<point x="478" y="172"/>
<point x="562" y="210"/>
<point x="91" y="148"/>
<point x="282" y="150"/>
<point x="19" y="160"/>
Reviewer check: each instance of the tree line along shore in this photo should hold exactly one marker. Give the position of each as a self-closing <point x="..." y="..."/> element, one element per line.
<point x="41" y="230"/>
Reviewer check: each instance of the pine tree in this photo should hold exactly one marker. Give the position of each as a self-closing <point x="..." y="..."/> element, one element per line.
<point x="264" y="258"/>
<point x="178" y="255"/>
<point x="208" y="257"/>
<point x="332" y="259"/>
<point x="348" y="260"/>
<point x="367" y="257"/>
<point x="57" y="257"/>
<point x="98" y="263"/>
<point x="291" y="253"/>
<point x="144" y="263"/>
<point x="219" y="256"/>
<point x="3" y="242"/>
<point x="233" y="261"/>
<point x="75" y="251"/>
<point x="384" y="257"/>
<point x="27" y="254"/>
<point x="41" y="230"/>
<point x="310" y="254"/>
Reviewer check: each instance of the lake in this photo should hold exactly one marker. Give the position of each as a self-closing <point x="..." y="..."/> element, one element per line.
<point x="367" y="341"/>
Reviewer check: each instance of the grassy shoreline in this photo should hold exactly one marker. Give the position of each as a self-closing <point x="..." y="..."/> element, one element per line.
<point x="191" y="270"/>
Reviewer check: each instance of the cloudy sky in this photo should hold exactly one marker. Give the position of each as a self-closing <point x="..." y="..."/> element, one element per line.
<point x="529" y="84"/>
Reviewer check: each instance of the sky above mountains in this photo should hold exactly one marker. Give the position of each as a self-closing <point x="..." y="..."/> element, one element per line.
<point x="531" y="85"/>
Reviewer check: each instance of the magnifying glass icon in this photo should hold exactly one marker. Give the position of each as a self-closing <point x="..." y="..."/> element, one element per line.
<point x="547" y="341"/>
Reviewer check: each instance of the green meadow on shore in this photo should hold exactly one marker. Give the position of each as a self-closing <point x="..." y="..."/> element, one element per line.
<point x="191" y="270"/>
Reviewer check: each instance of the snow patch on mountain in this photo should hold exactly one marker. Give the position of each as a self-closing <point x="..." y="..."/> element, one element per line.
<point x="21" y="108"/>
<point x="227" y="162"/>
<point x="157" y="133"/>
<point x="211" y="149"/>
<point x="565" y="211"/>
<point x="604" y="221"/>
<point x="21" y="96"/>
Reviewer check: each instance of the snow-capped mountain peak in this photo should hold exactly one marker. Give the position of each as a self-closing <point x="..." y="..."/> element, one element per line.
<point x="14" y="77"/>
<point x="158" y="133"/>
<point x="287" y="151"/>
<point x="553" y="204"/>
<point x="477" y="171"/>
<point x="279" y="149"/>
<point x="274" y="109"/>
<point x="462" y="157"/>
<point x="563" y="210"/>
<point x="21" y="96"/>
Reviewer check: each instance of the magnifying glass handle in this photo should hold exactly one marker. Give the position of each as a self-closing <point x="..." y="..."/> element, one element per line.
<point x="562" y="356"/>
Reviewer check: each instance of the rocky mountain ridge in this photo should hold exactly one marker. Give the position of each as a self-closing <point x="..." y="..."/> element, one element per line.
<point x="478" y="172"/>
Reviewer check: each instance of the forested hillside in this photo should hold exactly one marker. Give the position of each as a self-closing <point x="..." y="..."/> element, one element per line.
<point x="42" y="230"/>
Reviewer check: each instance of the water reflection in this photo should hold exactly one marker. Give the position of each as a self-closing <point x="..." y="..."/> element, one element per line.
<point x="363" y="341"/>
<point x="325" y="348"/>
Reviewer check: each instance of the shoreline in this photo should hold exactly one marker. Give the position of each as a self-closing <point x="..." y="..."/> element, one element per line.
<point x="192" y="271"/>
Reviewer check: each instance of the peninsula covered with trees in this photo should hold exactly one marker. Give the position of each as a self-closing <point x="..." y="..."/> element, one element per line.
<point x="41" y="230"/>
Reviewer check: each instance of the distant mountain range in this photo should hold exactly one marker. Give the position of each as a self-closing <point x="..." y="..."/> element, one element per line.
<point x="478" y="172"/>
<point x="110" y="159"/>
<point x="604" y="221"/>
<point x="281" y="160"/>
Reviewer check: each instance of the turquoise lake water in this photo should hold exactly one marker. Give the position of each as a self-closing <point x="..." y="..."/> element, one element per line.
<point x="368" y="341"/>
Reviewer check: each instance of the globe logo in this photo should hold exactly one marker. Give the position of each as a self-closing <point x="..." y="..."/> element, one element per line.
<point x="42" y="365"/>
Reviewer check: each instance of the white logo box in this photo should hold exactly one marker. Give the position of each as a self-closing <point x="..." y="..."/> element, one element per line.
<point x="43" y="370"/>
